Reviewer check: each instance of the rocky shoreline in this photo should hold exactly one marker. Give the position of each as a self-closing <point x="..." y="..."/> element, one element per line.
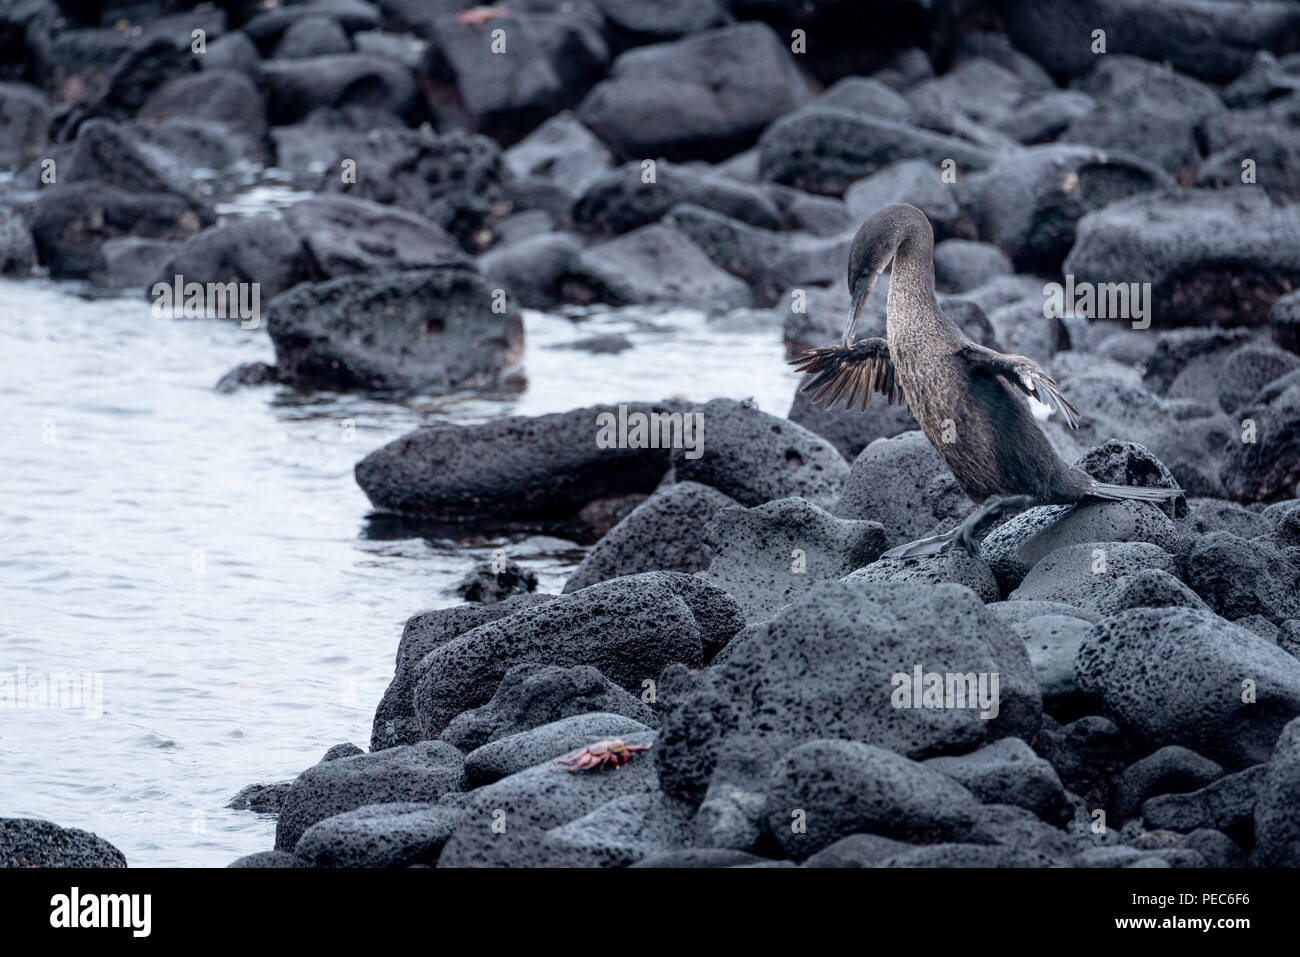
<point x="734" y="623"/>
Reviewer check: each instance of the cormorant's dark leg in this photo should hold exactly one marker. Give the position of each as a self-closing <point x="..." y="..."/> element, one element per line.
<point x="975" y="524"/>
<point x="978" y="521"/>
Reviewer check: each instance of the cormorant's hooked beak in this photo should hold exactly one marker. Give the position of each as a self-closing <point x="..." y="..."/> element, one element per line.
<point x="861" y="292"/>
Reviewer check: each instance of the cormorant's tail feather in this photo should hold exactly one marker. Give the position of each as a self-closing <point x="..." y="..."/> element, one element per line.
<point x="1118" y="493"/>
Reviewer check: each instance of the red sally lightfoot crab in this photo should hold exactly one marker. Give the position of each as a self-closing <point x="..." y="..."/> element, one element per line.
<point x="614" y="752"/>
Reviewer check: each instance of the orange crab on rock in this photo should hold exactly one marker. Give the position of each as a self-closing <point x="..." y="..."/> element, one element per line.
<point x="614" y="752"/>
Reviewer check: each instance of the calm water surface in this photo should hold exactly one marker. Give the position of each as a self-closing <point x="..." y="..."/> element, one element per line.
<point x="206" y="555"/>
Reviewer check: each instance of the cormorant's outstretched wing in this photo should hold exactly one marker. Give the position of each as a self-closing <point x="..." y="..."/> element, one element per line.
<point x="863" y="367"/>
<point x="1025" y="375"/>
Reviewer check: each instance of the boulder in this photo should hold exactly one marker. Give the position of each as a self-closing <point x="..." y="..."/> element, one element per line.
<point x="418" y="330"/>
<point x="722" y="88"/>
<point x="1179" y="676"/>
<point x="771" y="554"/>
<point x="418" y="772"/>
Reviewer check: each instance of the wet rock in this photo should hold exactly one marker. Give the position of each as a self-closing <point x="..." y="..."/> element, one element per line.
<point x="1266" y="467"/>
<point x="489" y="584"/>
<point x="531" y="695"/>
<point x="1277" y="818"/>
<point x="1215" y="40"/>
<point x="1239" y="577"/>
<point x="663" y="533"/>
<point x="70" y="224"/>
<point x="261" y="798"/>
<point x="957" y="566"/>
<point x="823" y="149"/>
<point x="888" y="484"/>
<point x="429" y="329"/>
<point x="1089" y="574"/>
<point x="417" y="772"/>
<point x="1053" y="643"/>
<point x="837" y="788"/>
<point x="1204" y="266"/>
<point x="630" y="628"/>
<point x="260" y="251"/>
<point x="918" y="183"/>
<point x="1168" y="770"/>
<point x="394" y="721"/>
<point x="1175" y="676"/>
<point x="722" y="87"/>
<point x="247" y="374"/>
<point x="345" y="235"/>
<point x="517" y="752"/>
<point x="30" y="842"/>
<point x="1223" y="804"/>
<point x="620" y="200"/>
<point x="396" y="834"/>
<point x="1029" y="203"/>
<point x="771" y="554"/>
<point x="961" y="264"/>
<point x="657" y="264"/>
<point x="514" y="467"/>
<point x="269" y="859"/>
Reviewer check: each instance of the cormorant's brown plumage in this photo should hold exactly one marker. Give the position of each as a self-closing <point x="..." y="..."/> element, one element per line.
<point x="968" y="399"/>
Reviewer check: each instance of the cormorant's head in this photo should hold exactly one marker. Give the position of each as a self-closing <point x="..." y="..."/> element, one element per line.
<point x="874" y="248"/>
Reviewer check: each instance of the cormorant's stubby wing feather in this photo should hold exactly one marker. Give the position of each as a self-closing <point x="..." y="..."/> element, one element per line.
<point x="862" y="369"/>
<point x="1024" y="374"/>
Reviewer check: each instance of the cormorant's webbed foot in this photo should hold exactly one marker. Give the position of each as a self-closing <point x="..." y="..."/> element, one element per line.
<point x="966" y="535"/>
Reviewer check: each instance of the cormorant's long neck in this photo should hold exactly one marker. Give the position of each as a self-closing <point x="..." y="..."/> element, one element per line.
<point x="911" y="289"/>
